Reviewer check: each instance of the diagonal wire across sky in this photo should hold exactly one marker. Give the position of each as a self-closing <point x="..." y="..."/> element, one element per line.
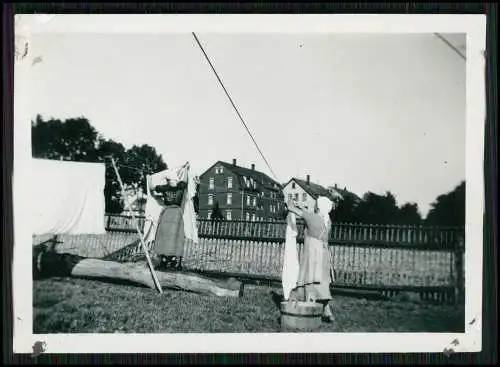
<point x="234" y="106"/>
<point x="440" y="36"/>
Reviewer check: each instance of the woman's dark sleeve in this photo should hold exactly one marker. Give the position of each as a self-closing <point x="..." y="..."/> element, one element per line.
<point x="161" y="188"/>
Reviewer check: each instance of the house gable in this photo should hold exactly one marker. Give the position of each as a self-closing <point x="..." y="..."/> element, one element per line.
<point x="315" y="190"/>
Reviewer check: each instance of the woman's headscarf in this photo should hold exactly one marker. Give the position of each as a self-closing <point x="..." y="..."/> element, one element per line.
<point x="325" y="205"/>
<point x="171" y="177"/>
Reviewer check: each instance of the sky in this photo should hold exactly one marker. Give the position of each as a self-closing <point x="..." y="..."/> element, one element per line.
<point x="369" y="112"/>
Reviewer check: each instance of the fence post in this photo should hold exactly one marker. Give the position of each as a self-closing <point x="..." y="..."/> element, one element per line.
<point x="108" y="226"/>
<point x="459" y="269"/>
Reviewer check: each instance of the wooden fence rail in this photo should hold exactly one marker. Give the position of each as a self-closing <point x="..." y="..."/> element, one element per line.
<point x="383" y="257"/>
<point x="443" y="238"/>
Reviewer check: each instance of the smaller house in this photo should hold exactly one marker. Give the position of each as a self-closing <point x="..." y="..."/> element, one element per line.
<point x="307" y="192"/>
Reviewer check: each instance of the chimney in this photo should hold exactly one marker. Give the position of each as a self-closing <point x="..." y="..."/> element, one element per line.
<point x="234" y="161"/>
<point x="308" y="179"/>
<point x="335" y="186"/>
<point x="253" y="167"/>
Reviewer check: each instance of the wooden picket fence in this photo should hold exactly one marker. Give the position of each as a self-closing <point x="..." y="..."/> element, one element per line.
<point x="383" y="258"/>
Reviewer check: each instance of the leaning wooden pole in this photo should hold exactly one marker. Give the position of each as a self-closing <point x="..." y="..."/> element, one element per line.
<point x="143" y="244"/>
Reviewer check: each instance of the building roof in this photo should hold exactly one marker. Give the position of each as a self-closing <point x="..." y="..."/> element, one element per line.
<point x="345" y="193"/>
<point x="260" y="177"/>
<point x="316" y="190"/>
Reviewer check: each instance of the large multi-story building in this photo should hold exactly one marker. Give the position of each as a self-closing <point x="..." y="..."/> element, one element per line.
<point x="240" y="193"/>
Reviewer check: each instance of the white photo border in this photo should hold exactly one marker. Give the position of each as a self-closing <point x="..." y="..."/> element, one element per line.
<point x="470" y="341"/>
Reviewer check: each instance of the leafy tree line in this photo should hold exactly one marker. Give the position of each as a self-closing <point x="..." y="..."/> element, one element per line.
<point x="75" y="139"/>
<point x="448" y="209"/>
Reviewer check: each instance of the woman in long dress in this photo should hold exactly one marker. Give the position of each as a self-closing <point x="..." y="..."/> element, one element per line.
<point x="169" y="238"/>
<point x="313" y="284"/>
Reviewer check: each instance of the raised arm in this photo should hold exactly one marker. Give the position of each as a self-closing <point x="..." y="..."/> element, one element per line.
<point x="295" y="208"/>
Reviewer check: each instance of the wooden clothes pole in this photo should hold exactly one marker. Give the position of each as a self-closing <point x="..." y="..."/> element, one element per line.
<point x="144" y="247"/>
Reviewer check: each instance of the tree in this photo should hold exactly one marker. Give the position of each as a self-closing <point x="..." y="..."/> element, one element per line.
<point x="138" y="162"/>
<point x="345" y="212"/>
<point x="133" y="166"/>
<point x="216" y="212"/>
<point x="196" y="198"/>
<point x="112" y="189"/>
<point x="74" y="139"/>
<point x="409" y="214"/>
<point x="448" y="209"/>
<point x="377" y="209"/>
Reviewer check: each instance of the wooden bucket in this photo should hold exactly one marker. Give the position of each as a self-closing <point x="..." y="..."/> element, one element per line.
<point x="300" y="316"/>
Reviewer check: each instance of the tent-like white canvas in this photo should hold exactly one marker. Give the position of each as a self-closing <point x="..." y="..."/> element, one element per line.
<point x="67" y="197"/>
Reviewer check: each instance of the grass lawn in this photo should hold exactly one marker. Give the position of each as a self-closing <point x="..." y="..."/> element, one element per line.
<point x="71" y="305"/>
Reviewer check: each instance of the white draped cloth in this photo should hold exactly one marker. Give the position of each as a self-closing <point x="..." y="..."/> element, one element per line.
<point x="290" y="271"/>
<point x="154" y="206"/>
<point x="67" y="197"/>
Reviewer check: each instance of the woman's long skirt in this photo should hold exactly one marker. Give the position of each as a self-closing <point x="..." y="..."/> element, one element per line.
<point x="314" y="272"/>
<point x="169" y="239"/>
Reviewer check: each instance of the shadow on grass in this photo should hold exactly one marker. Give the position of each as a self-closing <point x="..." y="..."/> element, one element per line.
<point x="277" y="298"/>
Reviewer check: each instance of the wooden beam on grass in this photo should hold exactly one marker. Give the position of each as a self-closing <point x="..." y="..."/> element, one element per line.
<point x="48" y="263"/>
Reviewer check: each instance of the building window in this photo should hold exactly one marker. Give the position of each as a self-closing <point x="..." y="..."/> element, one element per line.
<point x="290" y="196"/>
<point x="248" y="199"/>
<point x="304" y="196"/>
<point x="210" y="200"/>
<point x="211" y="183"/>
<point x="254" y="201"/>
<point x="293" y="185"/>
<point x="229" y="199"/>
<point x="209" y="215"/>
<point x="296" y="196"/>
<point x="253" y="217"/>
<point x="229" y="182"/>
<point x="228" y="215"/>
<point x="247" y="216"/>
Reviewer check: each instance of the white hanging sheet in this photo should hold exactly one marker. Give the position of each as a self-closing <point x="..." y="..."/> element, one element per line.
<point x="67" y="197"/>
<point x="290" y="272"/>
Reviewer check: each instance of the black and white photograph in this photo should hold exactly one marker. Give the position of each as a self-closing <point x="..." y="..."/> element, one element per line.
<point x="203" y="183"/>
